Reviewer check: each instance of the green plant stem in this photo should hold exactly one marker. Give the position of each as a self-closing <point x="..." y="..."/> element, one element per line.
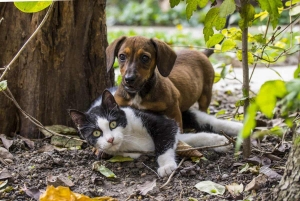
<point x="7" y="67"/>
<point x="246" y="141"/>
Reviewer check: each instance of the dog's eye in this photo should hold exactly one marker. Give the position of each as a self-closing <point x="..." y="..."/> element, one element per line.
<point x="145" y="58"/>
<point x="97" y="133"/>
<point x="122" y="57"/>
<point x="113" y="124"/>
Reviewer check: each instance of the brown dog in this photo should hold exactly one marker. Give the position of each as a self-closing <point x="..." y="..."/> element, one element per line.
<point x="155" y="78"/>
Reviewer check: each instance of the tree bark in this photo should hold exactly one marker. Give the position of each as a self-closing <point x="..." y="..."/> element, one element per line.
<point x="62" y="67"/>
<point x="288" y="188"/>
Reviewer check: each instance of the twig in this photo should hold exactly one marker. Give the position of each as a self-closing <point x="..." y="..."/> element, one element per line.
<point x="181" y="192"/>
<point x="32" y="119"/>
<point x="7" y="67"/>
<point x="170" y="177"/>
<point x="3" y="161"/>
<point x="2" y="18"/>
<point x="151" y="169"/>
<point x="204" y="147"/>
<point x="228" y="138"/>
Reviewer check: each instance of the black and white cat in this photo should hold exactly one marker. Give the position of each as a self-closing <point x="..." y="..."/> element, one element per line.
<point x="119" y="130"/>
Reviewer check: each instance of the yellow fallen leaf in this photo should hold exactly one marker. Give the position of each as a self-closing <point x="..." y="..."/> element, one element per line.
<point x="62" y="193"/>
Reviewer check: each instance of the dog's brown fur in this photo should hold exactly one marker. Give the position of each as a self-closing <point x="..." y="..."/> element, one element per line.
<point x="178" y="81"/>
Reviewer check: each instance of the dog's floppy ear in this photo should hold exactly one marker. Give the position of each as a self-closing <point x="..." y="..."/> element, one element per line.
<point x="112" y="51"/>
<point x="165" y="57"/>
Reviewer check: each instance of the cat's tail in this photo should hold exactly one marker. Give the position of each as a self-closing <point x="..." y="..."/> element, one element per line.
<point x="206" y="139"/>
<point x="202" y="122"/>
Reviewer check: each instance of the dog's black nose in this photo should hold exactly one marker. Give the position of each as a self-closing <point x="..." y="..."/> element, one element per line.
<point x="129" y="79"/>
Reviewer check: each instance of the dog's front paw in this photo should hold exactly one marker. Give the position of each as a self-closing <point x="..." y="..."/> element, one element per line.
<point x="167" y="169"/>
<point x="220" y="140"/>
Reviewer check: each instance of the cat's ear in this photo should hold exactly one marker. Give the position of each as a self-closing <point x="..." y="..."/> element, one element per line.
<point x="108" y="100"/>
<point x="78" y="118"/>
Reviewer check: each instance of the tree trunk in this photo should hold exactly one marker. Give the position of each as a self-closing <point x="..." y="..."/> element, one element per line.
<point x="288" y="188"/>
<point x="62" y="67"/>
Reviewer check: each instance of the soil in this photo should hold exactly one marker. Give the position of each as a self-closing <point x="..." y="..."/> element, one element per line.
<point x="31" y="167"/>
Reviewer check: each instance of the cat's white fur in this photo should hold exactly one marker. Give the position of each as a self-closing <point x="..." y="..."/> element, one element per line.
<point x="134" y="137"/>
<point x="231" y="128"/>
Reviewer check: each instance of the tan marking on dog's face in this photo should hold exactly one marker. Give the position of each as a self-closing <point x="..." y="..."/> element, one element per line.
<point x="137" y="57"/>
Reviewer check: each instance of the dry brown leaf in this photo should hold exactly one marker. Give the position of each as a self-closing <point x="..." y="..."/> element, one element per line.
<point x="5" y="154"/>
<point x="147" y="186"/>
<point x="235" y="189"/>
<point x="46" y="148"/>
<point x="6" y="143"/>
<point x="32" y="192"/>
<point x="5" y="174"/>
<point x="27" y="141"/>
<point x="256" y="183"/>
<point x="59" y="181"/>
<point x="269" y="172"/>
<point x="192" y="153"/>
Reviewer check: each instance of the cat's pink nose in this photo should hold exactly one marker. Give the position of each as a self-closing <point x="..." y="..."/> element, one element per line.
<point x="110" y="140"/>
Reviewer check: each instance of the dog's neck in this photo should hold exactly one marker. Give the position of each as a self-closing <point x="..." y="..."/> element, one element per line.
<point x="146" y="87"/>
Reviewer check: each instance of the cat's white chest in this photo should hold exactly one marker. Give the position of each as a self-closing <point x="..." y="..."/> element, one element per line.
<point x="136" y="134"/>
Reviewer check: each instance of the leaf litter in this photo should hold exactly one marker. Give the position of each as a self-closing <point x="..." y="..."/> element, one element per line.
<point x="34" y="161"/>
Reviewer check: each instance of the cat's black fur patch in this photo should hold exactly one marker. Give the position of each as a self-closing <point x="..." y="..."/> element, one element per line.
<point x="189" y="121"/>
<point x="162" y="130"/>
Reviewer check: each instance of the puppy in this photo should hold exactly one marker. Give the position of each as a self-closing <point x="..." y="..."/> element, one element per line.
<point x="156" y="78"/>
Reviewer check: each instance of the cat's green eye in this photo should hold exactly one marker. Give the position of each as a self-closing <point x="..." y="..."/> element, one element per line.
<point x="113" y="124"/>
<point x="97" y="133"/>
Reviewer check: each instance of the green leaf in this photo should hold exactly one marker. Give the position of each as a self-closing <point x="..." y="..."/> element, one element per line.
<point x="227" y="45"/>
<point x="297" y="72"/>
<point x="120" y="159"/>
<point x="191" y="6"/>
<point x="260" y="38"/>
<point x="210" y="187"/>
<point x="215" y="39"/>
<point x="212" y="19"/>
<point x="3" y="85"/>
<point x="250" y="122"/>
<point x="225" y="70"/>
<point x="267" y="96"/>
<point x="103" y="170"/>
<point x="174" y="3"/>
<point x="245" y="168"/>
<point x="239" y="55"/>
<point x="207" y="31"/>
<point x="221" y="112"/>
<point x="202" y="3"/>
<point x="247" y="15"/>
<point x="291" y="2"/>
<point x="250" y="58"/>
<point x="32" y="6"/>
<point x="227" y="7"/>
<point x="272" y="7"/>
<point x="217" y="77"/>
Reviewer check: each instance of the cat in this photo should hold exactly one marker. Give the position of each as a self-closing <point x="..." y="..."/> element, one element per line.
<point x="119" y="130"/>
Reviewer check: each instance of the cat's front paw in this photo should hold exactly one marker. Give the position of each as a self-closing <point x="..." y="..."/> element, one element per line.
<point x="131" y="155"/>
<point x="166" y="170"/>
<point x="220" y="141"/>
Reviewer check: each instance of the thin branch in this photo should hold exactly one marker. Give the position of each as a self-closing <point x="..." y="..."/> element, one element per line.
<point x="151" y="169"/>
<point x="204" y="147"/>
<point x="7" y="67"/>
<point x="170" y="177"/>
<point x="32" y="119"/>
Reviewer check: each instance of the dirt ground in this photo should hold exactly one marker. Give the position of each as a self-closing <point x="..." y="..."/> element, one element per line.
<point x="30" y="168"/>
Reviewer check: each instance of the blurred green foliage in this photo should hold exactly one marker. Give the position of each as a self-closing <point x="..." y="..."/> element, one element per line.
<point x="148" y="13"/>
